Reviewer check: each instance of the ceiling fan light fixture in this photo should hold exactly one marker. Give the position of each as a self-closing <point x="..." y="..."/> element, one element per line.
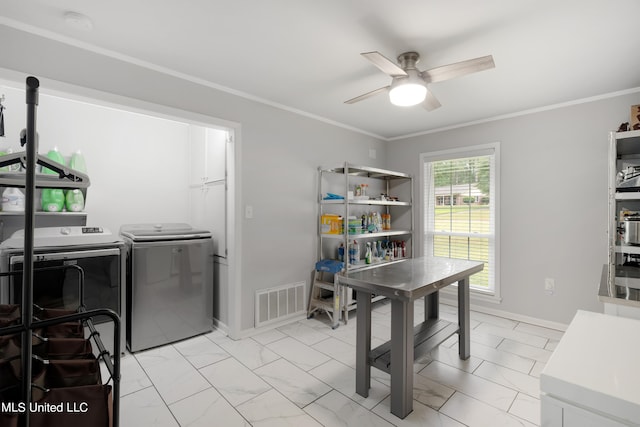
<point x="407" y="94"/>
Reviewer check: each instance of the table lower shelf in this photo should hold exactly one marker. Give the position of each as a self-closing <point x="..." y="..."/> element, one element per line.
<point x="426" y="337"/>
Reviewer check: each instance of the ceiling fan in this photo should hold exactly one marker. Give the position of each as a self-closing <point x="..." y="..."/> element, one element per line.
<point x="409" y="85"/>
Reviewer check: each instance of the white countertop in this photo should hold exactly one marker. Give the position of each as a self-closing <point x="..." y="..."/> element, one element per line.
<point x="597" y="365"/>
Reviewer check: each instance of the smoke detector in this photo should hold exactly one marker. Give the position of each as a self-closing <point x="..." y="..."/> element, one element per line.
<point x="78" y="21"/>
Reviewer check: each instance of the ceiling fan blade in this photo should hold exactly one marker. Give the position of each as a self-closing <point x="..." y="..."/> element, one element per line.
<point x="367" y="95"/>
<point x="384" y="64"/>
<point x="430" y="103"/>
<point x="458" y="69"/>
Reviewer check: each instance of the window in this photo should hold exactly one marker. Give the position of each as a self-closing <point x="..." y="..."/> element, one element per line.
<point x="460" y="210"/>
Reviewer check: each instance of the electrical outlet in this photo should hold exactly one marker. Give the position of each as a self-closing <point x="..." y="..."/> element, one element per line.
<point x="549" y="286"/>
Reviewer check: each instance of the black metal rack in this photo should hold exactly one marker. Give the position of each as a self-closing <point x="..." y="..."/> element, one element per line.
<point x="27" y="323"/>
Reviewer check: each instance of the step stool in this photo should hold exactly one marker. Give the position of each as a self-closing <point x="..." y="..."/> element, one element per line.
<point x="334" y="306"/>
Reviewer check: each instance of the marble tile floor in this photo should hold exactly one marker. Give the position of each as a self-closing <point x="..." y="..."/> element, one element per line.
<point x="303" y="374"/>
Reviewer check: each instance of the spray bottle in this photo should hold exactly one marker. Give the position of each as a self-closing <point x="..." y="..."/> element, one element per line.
<point x="368" y="255"/>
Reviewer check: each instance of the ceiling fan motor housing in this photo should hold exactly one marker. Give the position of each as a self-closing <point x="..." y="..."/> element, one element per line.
<point x="408" y="60"/>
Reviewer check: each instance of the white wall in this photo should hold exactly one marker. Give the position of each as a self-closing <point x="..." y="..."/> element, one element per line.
<point x="137" y="164"/>
<point x="278" y="153"/>
<point x="553" y="187"/>
<point x="553" y="194"/>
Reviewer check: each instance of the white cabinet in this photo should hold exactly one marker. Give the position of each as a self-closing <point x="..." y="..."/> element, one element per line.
<point x="208" y="205"/>
<point x="216" y="155"/>
<point x="208" y="184"/>
<point x="592" y="378"/>
<point x="557" y="413"/>
<point x="208" y="155"/>
<point x="197" y="154"/>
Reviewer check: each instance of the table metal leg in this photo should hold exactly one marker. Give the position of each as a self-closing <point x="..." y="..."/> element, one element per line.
<point x="363" y="343"/>
<point x="432" y="306"/>
<point x="464" y="339"/>
<point x="337" y="302"/>
<point x="401" y="358"/>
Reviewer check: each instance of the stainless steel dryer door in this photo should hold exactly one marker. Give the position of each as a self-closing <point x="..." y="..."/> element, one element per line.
<point x="170" y="291"/>
<point x="59" y="289"/>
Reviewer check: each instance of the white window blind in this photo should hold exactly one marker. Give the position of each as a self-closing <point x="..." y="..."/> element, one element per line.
<point x="460" y="210"/>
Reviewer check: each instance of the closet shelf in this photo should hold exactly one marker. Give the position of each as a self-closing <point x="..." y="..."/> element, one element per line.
<point x="63" y="178"/>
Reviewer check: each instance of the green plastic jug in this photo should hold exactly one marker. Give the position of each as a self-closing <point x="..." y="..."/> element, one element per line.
<point x="77" y="162"/>
<point x="56" y="157"/>
<point x="74" y="201"/>
<point x="4" y="168"/>
<point x="52" y="200"/>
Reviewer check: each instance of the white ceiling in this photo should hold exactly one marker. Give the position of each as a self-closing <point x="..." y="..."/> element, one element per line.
<point x="304" y="54"/>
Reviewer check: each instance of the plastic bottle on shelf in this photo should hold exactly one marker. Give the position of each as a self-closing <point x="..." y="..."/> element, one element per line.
<point x="356" y="252"/>
<point x="74" y="201"/>
<point x="52" y="199"/>
<point x="12" y="200"/>
<point x="4" y="168"/>
<point x="54" y="155"/>
<point x="368" y="255"/>
<point x="77" y="162"/>
<point x="341" y="252"/>
<point x="14" y="167"/>
<point x="352" y="253"/>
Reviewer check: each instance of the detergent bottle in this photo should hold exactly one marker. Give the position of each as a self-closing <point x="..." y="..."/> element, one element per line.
<point x="367" y="255"/>
<point x="54" y="155"/>
<point x="74" y="201"/>
<point x="77" y="162"/>
<point x="14" y="167"/>
<point x="12" y="200"/>
<point x="52" y="199"/>
<point x="4" y="168"/>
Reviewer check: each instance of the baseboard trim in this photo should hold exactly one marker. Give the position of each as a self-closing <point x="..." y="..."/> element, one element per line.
<point x="248" y="333"/>
<point x="512" y="316"/>
<point x="221" y="326"/>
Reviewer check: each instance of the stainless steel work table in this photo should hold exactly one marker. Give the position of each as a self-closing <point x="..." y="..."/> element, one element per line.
<point x="403" y="283"/>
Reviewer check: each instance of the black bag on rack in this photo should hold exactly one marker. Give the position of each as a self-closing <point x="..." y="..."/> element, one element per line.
<point x="73" y="329"/>
<point x="9" y="314"/>
<point x="72" y="373"/>
<point x="8" y="419"/>
<point x="88" y="406"/>
<point x="64" y="349"/>
<point x="10" y="379"/>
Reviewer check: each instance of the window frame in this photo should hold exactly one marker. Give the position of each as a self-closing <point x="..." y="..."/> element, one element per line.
<point x="462" y="152"/>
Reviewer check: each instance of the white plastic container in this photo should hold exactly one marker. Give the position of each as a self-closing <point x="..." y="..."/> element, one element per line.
<point x="13" y="200"/>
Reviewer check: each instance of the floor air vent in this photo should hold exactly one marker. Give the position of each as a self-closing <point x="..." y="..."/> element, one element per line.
<point x="275" y="304"/>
